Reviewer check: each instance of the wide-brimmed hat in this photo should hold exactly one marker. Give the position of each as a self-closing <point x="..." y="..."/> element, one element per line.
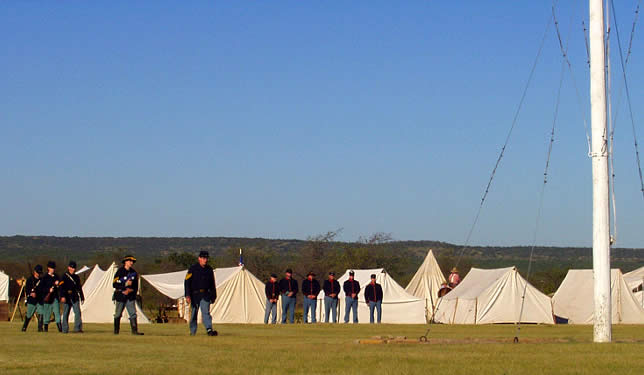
<point x="454" y="269"/>
<point x="204" y="254"/>
<point x="128" y="257"/>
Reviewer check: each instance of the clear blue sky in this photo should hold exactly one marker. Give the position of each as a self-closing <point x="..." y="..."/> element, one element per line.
<point x="288" y="119"/>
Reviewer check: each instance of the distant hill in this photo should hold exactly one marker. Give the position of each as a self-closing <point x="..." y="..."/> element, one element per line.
<point x="86" y="249"/>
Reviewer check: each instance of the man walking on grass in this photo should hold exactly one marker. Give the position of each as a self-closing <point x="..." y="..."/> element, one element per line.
<point x="201" y="291"/>
<point x="126" y="285"/>
<point x="71" y="296"/>
<point x="50" y="300"/>
<point x="33" y="291"/>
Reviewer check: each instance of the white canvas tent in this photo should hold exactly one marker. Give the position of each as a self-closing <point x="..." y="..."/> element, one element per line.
<point x="4" y="287"/>
<point x="493" y="296"/>
<point x="574" y="299"/>
<point x="635" y="278"/>
<point x="240" y="295"/>
<point x="98" y="306"/>
<point x="426" y="283"/>
<point x="92" y="280"/>
<point x="398" y="306"/>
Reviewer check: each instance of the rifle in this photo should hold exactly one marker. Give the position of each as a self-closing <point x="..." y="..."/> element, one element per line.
<point x="33" y="290"/>
<point x="52" y="290"/>
<point x="75" y="285"/>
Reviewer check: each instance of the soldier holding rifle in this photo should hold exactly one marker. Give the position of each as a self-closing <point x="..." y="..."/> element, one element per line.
<point x="71" y="296"/>
<point x="50" y="301"/>
<point x="34" y="298"/>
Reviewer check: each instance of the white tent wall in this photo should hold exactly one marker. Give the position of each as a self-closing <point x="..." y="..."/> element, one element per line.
<point x="426" y="283"/>
<point x="92" y="280"/>
<point x="398" y="306"/>
<point x="4" y="286"/>
<point x="634" y="278"/>
<point x="574" y="299"/>
<point x="98" y="306"/>
<point x="493" y="296"/>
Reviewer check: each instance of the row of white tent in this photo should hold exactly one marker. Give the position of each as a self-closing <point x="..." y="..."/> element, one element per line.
<point x="4" y="287"/>
<point x="483" y="297"/>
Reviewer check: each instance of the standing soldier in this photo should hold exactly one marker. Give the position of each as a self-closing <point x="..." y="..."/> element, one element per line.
<point x="34" y="298"/>
<point x="126" y="285"/>
<point x="288" y="289"/>
<point x="200" y="292"/>
<point x="331" y="290"/>
<point x="310" y="290"/>
<point x="50" y="300"/>
<point x="71" y="295"/>
<point x="373" y="297"/>
<point x="351" y="289"/>
<point x="272" y="295"/>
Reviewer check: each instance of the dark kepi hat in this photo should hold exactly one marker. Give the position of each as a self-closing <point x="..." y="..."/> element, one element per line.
<point x="311" y="273"/>
<point x="38" y="268"/>
<point x="373" y="275"/>
<point x="273" y="275"/>
<point x="331" y="273"/>
<point x="204" y="254"/>
<point x="72" y="264"/>
<point x="351" y="273"/>
<point x="128" y="257"/>
<point x="288" y="270"/>
<point x="51" y="264"/>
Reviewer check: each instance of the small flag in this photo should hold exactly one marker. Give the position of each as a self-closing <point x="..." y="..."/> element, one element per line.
<point x="241" y="259"/>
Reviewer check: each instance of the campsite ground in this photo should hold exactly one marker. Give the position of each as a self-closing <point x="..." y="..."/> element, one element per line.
<point x="317" y="349"/>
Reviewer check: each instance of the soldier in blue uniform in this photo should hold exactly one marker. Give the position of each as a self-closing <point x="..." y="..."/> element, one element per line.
<point x="33" y="291"/>
<point x="126" y="285"/>
<point x="288" y="289"/>
<point x="351" y="289"/>
<point x="50" y="301"/>
<point x="310" y="290"/>
<point x="71" y="296"/>
<point x="331" y="289"/>
<point x="373" y="298"/>
<point x="272" y="291"/>
<point x="200" y="292"/>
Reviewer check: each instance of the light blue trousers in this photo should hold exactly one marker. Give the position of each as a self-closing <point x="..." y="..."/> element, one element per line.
<point x="271" y="308"/>
<point x="375" y="306"/>
<point x="330" y="307"/>
<point x="311" y="304"/>
<point x="78" y="321"/>
<point x="288" y="306"/>
<point x="351" y="304"/>
<point x="206" y="318"/>
<point x="130" y="306"/>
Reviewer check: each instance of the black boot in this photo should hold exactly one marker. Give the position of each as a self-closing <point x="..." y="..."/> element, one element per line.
<point x="135" y="328"/>
<point x="59" y="326"/>
<point x="211" y="332"/>
<point x="117" y="325"/>
<point x="25" y="324"/>
<point x="40" y="322"/>
<point x="46" y="327"/>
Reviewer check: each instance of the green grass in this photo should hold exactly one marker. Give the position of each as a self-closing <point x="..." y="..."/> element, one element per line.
<point x="317" y="349"/>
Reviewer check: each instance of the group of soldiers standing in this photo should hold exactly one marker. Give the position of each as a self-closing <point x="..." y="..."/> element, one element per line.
<point x="46" y="292"/>
<point x="287" y="289"/>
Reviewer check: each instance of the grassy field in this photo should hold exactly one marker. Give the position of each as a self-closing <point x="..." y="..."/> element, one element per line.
<point x="317" y="349"/>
